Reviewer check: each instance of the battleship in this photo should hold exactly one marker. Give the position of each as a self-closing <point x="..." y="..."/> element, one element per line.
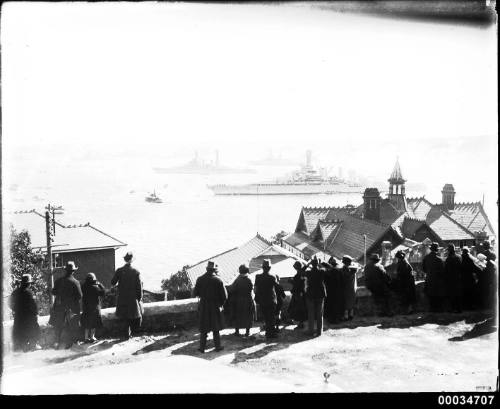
<point x="305" y="181"/>
<point x="200" y="167"/>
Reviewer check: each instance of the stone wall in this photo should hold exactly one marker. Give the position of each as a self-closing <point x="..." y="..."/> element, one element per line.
<point x="183" y="314"/>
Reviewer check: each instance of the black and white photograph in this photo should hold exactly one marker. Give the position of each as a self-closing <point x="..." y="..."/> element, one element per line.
<point x="250" y="198"/>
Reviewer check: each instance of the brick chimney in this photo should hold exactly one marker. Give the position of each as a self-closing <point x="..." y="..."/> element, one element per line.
<point x="372" y="202"/>
<point x="448" y="193"/>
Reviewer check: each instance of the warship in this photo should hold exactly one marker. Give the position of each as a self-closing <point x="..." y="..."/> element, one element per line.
<point x="200" y="167"/>
<point x="305" y="181"/>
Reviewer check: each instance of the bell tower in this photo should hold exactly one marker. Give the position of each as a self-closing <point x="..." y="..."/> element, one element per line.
<point x="397" y="195"/>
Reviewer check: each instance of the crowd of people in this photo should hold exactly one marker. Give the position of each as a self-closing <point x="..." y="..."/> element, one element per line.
<point x="318" y="290"/>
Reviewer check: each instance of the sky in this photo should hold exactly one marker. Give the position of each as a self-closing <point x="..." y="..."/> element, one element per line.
<point x="158" y="81"/>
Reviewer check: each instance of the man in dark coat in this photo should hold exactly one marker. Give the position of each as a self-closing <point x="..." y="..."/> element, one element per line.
<point x="334" y="301"/>
<point x="242" y="304"/>
<point x="212" y="294"/>
<point x="315" y="297"/>
<point x="470" y="273"/>
<point x="453" y="279"/>
<point x="266" y="298"/>
<point x="26" y="330"/>
<point x="377" y="281"/>
<point x="405" y="283"/>
<point x="129" y="302"/>
<point x="490" y="273"/>
<point x="435" y="288"/>
<point x="65" y="315"/>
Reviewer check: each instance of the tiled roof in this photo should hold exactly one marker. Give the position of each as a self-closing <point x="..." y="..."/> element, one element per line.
<point x="418" y="207"/>
<point x="67" y="238"/>
<point x="229" y="261"/>
<point x="350" y="240"/>
<point x="388" y="213"/>
<point x="410" y="226"/>
<point x="303" y="243"/>
<point x="472" y="216"/>
<point x="447" y="228"/>
<point x="327" y="228"/>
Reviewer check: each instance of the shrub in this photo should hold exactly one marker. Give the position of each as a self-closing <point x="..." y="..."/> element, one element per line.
<point x="178" y="284"/>
<point x="23" y="260"/>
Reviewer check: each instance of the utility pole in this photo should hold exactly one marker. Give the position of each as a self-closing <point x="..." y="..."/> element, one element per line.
<point x="50" y="230"/>
<point x="364" y="252"/>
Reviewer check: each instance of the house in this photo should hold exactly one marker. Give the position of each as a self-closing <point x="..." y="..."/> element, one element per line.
<point x="91" y="249"/>
<point x="250" y="253"/>
<point x="356" y="231"/>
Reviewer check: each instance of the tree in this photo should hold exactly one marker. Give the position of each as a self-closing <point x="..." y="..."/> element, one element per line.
<point x="178" y="284"/>
<point x="276" y="239"/>
<point x="23" y="260"/>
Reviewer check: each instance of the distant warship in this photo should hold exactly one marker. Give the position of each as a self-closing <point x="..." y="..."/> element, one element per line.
<point x="198" y="166"/>
<point x="305" y="181"/>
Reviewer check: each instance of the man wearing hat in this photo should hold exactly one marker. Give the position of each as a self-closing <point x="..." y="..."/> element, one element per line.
<point x="315" y="297"/>
<point x="377" y="281"/>
<point x="406" y="283"/>
<point x="349" y="286"/>
<point x="453" y="279"/>
<point x="26" y="331"/>
<point x="265" y="297"/>
<point x="334" y="301"/>
<point x="129" y="302"/>
<point x="435" y="288"/>
<point x="65" y="316"/>
<point x="212" y="294"/>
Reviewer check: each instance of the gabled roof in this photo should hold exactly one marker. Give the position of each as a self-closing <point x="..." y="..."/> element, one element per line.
<point x="68" y="238"/>
<point x="418" y="207"/>
<point x="303" y="243"/>
<point x="350" y="237"/>
<point x="229" y="261"/>
<point x="448" y="229"/>
<point x="309" y="218"/>
<point x="472" y="216"/>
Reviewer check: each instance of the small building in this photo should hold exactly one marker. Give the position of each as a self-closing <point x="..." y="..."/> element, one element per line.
<point x="91" y="249"/>
<point x="250" y="253"/>
<point x="356" y="231"/>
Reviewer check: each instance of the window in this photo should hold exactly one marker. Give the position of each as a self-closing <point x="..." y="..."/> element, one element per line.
<point x="57" y="261"/>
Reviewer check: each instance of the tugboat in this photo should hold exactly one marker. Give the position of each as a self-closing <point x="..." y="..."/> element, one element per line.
<point x="153" y="198"/>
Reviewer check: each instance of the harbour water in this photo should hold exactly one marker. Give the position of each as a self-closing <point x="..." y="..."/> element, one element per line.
<point x="190" y="225"/>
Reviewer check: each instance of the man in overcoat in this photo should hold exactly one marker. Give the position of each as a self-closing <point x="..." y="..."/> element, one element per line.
<point x="242" y="305"/>
<point x="212" y="294"/>
<point x="334" y="301"/>
<point x="453" y="279"/>
<point x="435" y="288"/>
<point x="26" y="330"/>
<point x="266" y="298"/>
<point x="377" y="281"/>
<point x="65" y="316"/>
<point x="315" y="297"/>
<point x="470" y="274"/>
<point x="129" y="303"/>
<point x="349" y="284"/>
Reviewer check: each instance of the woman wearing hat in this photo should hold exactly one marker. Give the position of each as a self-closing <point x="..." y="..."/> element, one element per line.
<point x="65" y="315"/>
<point x="91" y="307"/>
<point x="242" y="304"/>
<point x="26" y="330"/>
<point x="349" y="286"/>
<point x="297" y="309"/>
<point x="406" y="283"/>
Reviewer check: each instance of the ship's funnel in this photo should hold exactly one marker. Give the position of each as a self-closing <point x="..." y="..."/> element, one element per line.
<point x="308" y="158"/>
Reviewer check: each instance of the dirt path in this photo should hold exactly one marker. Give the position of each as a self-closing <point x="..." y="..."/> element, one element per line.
<point x="414" y="353"/>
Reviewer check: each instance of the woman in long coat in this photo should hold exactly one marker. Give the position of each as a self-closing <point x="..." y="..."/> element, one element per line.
<point x="334" y="302"/>
<point x="242" y="304"/>
<point x="405" y="283"/>
<point x="26" y="330"/>
<point x="349" y="287"/>
<point x="470" y="274"/>
<point x="91" y="307"/>
<point x="453" y="279"/>
<point x="297" y="309"/>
